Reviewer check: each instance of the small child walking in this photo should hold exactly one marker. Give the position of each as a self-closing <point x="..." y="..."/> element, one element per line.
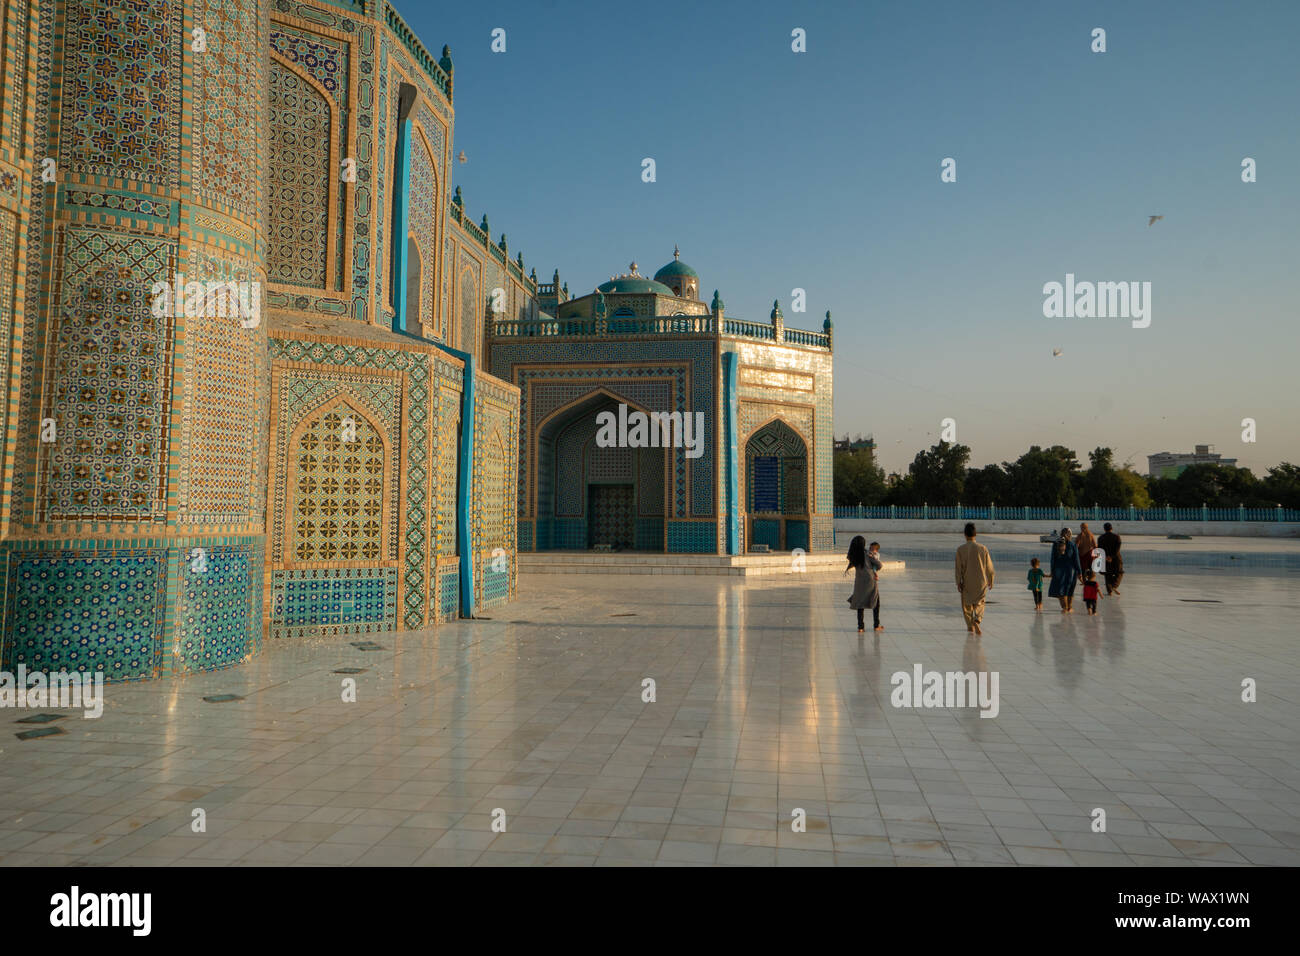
<point x="1036" y="583"/>
<point x="1090" y="591"/>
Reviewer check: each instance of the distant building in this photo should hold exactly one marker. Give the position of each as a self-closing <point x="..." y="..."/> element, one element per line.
<point x="856" y="444"/>
<point x="1168" y="464"/>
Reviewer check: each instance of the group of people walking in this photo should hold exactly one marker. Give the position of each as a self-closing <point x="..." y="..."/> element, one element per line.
<point x="1070" y="562"/>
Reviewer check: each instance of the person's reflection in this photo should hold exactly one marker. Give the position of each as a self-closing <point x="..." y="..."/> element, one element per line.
<point x="867" y="700"/>
<point x="1037" y="640"/>
<point x="1067" y="655"/>
<point x="974" y="660"/>
<point x="1113" y="631"/>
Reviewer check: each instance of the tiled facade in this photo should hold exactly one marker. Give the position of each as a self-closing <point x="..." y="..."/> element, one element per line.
<point x="180" y="485"/>
<point x="178" y="488"/>
<point x="654" y="348"/>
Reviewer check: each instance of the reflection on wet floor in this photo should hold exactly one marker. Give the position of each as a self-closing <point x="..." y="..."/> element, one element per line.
<point x="766" y="700"/>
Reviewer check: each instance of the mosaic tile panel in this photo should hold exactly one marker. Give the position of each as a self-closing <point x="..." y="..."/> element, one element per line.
<point x="333" y="602"/>
<point x="692" y="537"/>
<point x="122" y="89"/>
<point x="299" y="178"/>
<point x="609" y="464"/>
<point x="413" y="444"/>
<point x="448" y="457"/>
<point x="612" y="516"/>
<point x="322" y="58"/>
<point x="111" y="382"/>
<point x="650" y="483"/>
<point x="423" y="223"/>
<point x="650" y="534"/>
<point x="448" y="593"/>
<point x="471" y="306"/>
<point x="223" y="422"/>
<point x="216" y="615"/>
<point x="228" y="90"/>
<point x="302" y="391"/>
<point x="338" y="489"/>
<point x="87" y="611"/>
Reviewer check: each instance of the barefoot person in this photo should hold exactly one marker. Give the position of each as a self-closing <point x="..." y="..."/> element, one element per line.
<point x="974" y="579"/>
<point x="1065" y="571"/>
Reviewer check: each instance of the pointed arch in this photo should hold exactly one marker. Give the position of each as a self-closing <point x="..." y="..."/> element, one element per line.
<point x="302" y="187"/>
<point x="337" y="482"/>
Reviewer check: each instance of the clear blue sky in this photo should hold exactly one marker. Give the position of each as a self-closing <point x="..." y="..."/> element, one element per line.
<point x="820" y="170"/>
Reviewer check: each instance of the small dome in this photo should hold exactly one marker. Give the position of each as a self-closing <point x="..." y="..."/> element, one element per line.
<point x="629" y="284"/>
<point x="675" y="268"/>
<point x="634" y="282"/>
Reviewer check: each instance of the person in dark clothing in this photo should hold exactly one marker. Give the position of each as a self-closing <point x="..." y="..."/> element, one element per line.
<point x="1065" y="571"/>
<point x="1110" y="542"/>
<point x="866" y="566"/>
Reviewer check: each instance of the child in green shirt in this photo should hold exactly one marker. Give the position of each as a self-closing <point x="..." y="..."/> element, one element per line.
<point x="1036" y="583"/>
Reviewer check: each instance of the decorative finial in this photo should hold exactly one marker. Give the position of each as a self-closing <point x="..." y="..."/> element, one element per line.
<point x="457" y="198"/>
<point x="445" y="62"/>
<point x="633" y="267"/>
<point x="718" y="305"/>
<point x="828" y="324"/>
<point x="776" y="310"/>
<point x="484" y="225"/>
<point x="676" y="254"/>
<point x="502" y="243"/>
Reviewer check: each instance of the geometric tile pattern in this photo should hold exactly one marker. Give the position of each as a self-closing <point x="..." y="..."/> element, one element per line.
<point x="223" y="412"/>
<point x="612" y="518"/>
<point x="315" y="602"/>
<point x="227" y="86"/>
<point x="122" y="89"/>
<point x="87" y="611"/>
<point x="111" y="380"/>
<point x="300" y="177"/>
<point x="303" y="392"/>
<point x="216" y="608"/>
<point x="423" y="224"/>
<point x="338" y="489"/>
<point x="448" y="455"/>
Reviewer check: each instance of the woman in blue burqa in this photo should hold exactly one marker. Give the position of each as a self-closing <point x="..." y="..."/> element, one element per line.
<point x="1065" y="571"/>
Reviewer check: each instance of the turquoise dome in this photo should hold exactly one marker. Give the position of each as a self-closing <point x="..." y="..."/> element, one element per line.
<point x="674" y="269"/>
<point x="634" y="284"/>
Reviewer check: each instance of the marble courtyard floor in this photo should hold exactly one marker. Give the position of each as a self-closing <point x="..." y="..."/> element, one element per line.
<point x="766" y="701"/>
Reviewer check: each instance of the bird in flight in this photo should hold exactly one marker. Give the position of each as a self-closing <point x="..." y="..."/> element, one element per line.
<point x="1056" y="352"/>
<point x="462" y="158"/>
<point x="1151" y="220"/>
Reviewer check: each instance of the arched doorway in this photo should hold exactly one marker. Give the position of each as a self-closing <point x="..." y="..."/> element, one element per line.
<point x="589" y="496"/>
<point x="776" y="487"/>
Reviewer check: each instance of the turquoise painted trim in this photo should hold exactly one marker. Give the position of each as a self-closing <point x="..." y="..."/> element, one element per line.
<point x="464" y="479"/>
<point x="401" y="223"/>
<point x="464" y="485"/>
<point x="731" y="414"/>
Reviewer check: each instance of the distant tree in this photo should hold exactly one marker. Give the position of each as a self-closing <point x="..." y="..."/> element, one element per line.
<point x="1282" y="485"/>
<point x="1101" y="483"/>
<point x="857" y="478"/>
<point x="989" y="485"/>
<point x="1135" y="489"/>
<point x="1043" y="477"/>
<point x="1218" y="486"/>
<point x="939" y="474"/>
<point x="901" y="490"/>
